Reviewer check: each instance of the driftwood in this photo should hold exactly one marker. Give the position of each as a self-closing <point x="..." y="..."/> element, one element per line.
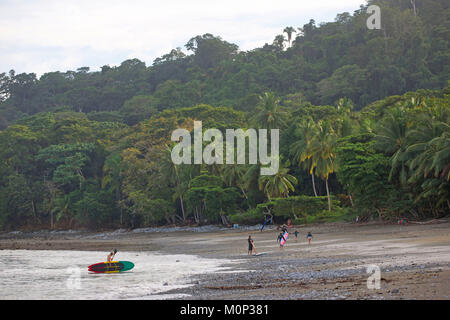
<point x="434" y="221"/>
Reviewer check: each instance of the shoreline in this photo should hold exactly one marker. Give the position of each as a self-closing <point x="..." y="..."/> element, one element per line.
<point x="414" y="260"/>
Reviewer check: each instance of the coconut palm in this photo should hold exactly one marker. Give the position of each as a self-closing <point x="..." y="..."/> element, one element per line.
<point x="429" y="155"/>
<point x="289" y="31"/>
<point x="278" y="185"/>
<point x="174" y="174"/>
<point x="301" y="149"/>
<point x="323" y="153"/>
<point x="233" y="175"/>
<point x="391" y="138"/>
<point x="269" y="114"/>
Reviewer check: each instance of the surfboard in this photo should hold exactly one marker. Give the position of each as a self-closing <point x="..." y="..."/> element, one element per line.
<point x="111" y="267"/>
<point x="284" y="239"/>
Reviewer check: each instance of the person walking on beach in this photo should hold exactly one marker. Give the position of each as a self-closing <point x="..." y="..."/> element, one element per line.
<point x="251" y="245"/>
<point x="296" y="234"/>
<point x="111" y="255"/>
<point x="309" y="237"/>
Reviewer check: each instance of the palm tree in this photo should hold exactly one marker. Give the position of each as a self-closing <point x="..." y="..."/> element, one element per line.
<point x="391" y="138"/>
<point x="233" y="175"/>
<point x="269" y="114"/>
<point x="301" y="149"/>
<point x="323" y="155"/>
<point x="279" y="184"/>
<point x="173" y="173"/>
<point x="289" y="31"/>
<point x="428" y="155"/>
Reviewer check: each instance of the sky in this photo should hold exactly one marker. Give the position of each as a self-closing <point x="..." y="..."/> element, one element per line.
<point x="58" y="35"/>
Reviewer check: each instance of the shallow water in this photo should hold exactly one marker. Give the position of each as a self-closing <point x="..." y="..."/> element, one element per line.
<point x="51" y="275"/>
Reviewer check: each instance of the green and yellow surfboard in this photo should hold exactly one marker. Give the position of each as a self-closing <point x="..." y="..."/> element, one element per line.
<point x="111" y="267"/>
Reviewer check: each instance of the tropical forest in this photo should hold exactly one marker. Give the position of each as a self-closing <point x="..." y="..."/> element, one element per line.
<point x="363" y="117"/>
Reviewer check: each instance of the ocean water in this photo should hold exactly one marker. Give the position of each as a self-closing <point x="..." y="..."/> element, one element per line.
<point x="60" y="275"/>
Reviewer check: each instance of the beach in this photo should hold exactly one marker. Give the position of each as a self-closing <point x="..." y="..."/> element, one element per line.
<point x="413" y="260"/>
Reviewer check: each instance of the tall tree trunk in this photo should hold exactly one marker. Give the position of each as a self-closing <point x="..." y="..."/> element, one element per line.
<point x="328" y="195"/>
<point x="351" y="199"/>
<point x="413" y="2"/>
<point x="314" y="184"/>
<point x="182" y="208"/>
<point x="33" y="207"/>
<point x="350" y="196"/>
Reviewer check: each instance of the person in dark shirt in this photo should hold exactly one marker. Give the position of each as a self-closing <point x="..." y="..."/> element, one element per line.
<point x="251" y="245"/>
<point x="309" y="237"/>
<point x="280" y="236"/>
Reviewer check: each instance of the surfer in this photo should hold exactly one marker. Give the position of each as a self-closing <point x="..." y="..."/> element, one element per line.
<point x="111" y="255"/>
<point x="309" y="237"/>
<point x="251" y="245"/>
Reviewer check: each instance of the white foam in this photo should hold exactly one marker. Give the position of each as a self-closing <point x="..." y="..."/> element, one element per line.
<point x="45" y="274"/>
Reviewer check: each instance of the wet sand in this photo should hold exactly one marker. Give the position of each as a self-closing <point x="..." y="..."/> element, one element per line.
<point x="414" y="260"/>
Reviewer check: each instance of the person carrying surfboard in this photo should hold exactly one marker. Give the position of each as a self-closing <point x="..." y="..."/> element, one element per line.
<point x="111" y="255"/>
<point x="251" y="245"/>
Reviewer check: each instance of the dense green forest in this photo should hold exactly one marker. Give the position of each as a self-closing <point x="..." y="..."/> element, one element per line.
<point x="363" y="118"/>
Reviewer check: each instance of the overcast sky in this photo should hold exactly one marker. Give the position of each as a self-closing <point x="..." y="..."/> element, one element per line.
<point x="58" y="35"/>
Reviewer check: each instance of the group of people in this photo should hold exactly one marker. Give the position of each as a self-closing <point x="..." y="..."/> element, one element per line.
<point x="308" y="236"/>
<point x="251" y="244"/>
<point x="282" y="236"/>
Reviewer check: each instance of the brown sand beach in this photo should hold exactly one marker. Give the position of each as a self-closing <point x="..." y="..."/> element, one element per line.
<point x="414" y="259"/>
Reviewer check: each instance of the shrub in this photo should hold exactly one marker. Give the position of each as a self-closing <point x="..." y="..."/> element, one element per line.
<point x="252" y="216"/>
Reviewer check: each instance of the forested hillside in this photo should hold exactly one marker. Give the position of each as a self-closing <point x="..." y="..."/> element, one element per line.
<point x="363" y="118"/>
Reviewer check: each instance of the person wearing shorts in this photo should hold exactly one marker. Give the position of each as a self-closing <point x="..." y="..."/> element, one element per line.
<point x="309" y="237"/>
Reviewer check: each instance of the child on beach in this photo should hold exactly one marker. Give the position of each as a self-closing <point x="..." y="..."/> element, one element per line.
<point x="296" y="234"/>
<point x="309" y="237"/>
